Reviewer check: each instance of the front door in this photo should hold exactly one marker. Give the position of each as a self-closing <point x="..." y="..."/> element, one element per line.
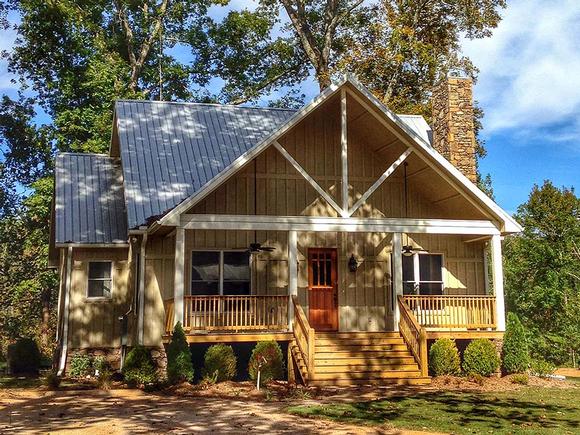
<point x="322" y="289"/>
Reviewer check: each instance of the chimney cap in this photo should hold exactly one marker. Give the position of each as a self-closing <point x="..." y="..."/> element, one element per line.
<point x="457" y="74"/>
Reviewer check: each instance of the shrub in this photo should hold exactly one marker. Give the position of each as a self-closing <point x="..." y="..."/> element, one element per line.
<point x="444" y="358"/>
<point x="480" y="358"/>
<point x="139" y="368"/>
<point x="104" y="379"/>
<point x="219" y="363"/>
<point x="515" y="357"/>
<point x="100" y="365"/>
<point x="179" y="365"/>
<point x="52" y="380"/>
<point x="24" y="357"/>
<point x="520" y="378"/>
<point x="266" y="358"/>
<point x="80" y="365"/>
<point x="542" y="368"/>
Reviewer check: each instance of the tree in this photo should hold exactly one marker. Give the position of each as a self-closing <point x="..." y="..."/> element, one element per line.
<point x="179" y="365"/>
<point x="542" y="270"/>
<point x="515" y="357"/>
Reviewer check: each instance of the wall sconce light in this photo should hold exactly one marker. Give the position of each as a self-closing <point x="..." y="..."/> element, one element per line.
<point x="352" y="264"/>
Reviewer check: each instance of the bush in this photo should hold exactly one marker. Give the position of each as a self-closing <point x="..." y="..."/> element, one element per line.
<point x="542" y="368"/>
<point x="100" y="365"/>
<point x="480" y="358"/>
<point x="24" y="357"/>
<point x="80" y="365"/>
<point x="219" y="363"/>
<point x="515" y="357"/>
<point x="444" y="358"/>
<point x="139" y="368"/>
<point x="104" y="379"/>
<point x="520" y="378"/>
<point x="52" y="380"/>
<point x="179" y="365"/>
<point x="266" y="358"/>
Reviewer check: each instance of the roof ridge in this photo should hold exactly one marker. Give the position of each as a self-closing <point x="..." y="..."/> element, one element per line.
<point x="192" y="103"/>
<point x="72" y="153"/>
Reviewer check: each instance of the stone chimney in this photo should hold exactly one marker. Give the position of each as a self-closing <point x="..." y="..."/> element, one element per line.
<point x="453" y="130"/>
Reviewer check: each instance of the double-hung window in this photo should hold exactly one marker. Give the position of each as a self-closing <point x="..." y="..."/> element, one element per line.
<point x="423" y="274"/>
<point x="100" y="280"/>
<point x="220" y="273"/>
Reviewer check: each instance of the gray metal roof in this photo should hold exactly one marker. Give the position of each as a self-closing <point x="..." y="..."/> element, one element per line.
<point x="170" y="150"/>
<point x="89" y="204"/>
<point x="418" y="124"/>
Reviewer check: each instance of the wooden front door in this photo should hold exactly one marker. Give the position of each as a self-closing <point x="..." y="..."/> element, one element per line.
<point x="322" y="289"/>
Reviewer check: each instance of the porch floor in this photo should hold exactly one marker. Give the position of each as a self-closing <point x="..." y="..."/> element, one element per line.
<point x="234" y="337"/>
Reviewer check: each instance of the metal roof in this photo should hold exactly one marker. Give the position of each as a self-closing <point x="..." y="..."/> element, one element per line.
<point x="170" y="150"/>
<point x="89" y="204"/>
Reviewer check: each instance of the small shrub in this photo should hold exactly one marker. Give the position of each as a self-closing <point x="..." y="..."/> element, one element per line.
<point x="52" y="380"/>
<point x="179" y="365"/>
<point x="520" y="378"/>
<point x="444" y="358"/>
<point x="139" y="368"/>
<point x="267" y="358"/>
<point x="477" y="378"/>
<point x="542" y="368"/>
<point x="480" y="358"/>
<point x="515" y="357"/>
<point x="80" y="365"/>
<point x="219" y="363"/>
<point x="100" y="365"/>
<point x="24" y="357"/>
<point x="104" y="379"/>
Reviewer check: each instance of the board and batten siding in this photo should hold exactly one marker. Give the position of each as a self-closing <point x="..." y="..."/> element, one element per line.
<point x="93" y="323"/>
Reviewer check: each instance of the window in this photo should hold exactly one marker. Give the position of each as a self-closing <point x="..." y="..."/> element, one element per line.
<point x="423" y="274"/>
<point x="100" y="279"/>
<point x="220" y="273"/>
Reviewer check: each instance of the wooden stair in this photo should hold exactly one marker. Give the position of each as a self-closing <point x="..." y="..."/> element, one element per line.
<point x="355" y="358"/>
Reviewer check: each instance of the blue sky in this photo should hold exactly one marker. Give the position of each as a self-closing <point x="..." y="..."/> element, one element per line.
<point x="528" y="86"/>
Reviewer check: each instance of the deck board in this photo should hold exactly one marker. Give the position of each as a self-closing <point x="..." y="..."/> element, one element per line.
<point x="234" y="337"/>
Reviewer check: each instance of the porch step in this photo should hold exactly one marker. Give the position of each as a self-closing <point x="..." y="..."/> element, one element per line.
<point x="347" y="347"/>
<point x="357" y="335"/>
<point x="369" y="355"/>
<point x="300" y="363"/>
<point x="357" y="341"/>
<point x="378" y="374"/>
<point x="361" y="368"/>
<point x="350" y="382"/>
<point x="361" y="361"/>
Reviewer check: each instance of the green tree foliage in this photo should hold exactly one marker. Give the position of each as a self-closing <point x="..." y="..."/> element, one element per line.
<point x="179" y="364"/>
<point x="480" y="358"/>
<point x="139" y="368"/>
<point x="268" y="360"/>
<point x="219" y="363"/>
<point x="444" y="358"/>
<point x="542" y="272"/>
<point x="24" y="357"/>
<point x="515" y="357"/>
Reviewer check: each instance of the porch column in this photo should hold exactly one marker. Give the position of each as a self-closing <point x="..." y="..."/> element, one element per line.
<point x="397" y="275"/>
<point x="497" y="274"/>
<point x="179" y="275"/>
<point x="292" y="273"/>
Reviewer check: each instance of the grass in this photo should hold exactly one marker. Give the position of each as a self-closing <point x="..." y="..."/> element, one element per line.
<point x="527" y="410"/>
<point x="13" y="382"/>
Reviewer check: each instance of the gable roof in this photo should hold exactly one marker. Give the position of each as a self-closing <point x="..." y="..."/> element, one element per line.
<point x="89" y="204"/>
<point x="171" y="151"/>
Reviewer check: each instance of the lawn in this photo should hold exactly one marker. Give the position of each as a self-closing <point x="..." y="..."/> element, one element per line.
<point x="527" y="410"/>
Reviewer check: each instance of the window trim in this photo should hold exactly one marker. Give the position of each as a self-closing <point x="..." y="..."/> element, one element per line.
<point x="220" y="268"/>
<point x="89" y="279"/>
<point x="416" y="272"/>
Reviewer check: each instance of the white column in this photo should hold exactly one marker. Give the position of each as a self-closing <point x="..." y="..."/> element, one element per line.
<point x="344" y="152"/>
<point x="497" y="274"/>
<point x="179" y="276"/>
<point x="292" y="273"/>
<point x="141" y="298"/>
<point x="397" y="275"/>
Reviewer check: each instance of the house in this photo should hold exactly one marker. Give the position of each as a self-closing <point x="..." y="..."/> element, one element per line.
<point x="348" y="232"/>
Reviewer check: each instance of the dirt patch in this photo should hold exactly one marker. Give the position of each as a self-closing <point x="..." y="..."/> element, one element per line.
<point x="493" y="384"/>
<point x="568" y="372"/>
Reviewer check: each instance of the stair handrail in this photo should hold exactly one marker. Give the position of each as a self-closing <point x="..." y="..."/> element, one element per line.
<point x="304" y="335"/>
<point x="414" y="335"/>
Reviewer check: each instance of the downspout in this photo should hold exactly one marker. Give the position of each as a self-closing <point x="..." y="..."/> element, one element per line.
<point x="66" y="309"/>
<point x="124" y="318"/>
<point x="140" y="323"/>
<point x="60" y="292"/>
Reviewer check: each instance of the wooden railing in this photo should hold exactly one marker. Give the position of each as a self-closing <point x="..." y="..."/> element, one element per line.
<point x="453" y="312"/>
<point x="414" y="335"/>
<point x="305" y="337"/>
<point x="231" y="313"/>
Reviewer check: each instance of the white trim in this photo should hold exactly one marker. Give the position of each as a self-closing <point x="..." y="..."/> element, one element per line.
<point x="179" y="276"/>
<point x="99" y="298"/>
<point x="92" y="245"/>
<point x="397" y="277"/>
<point x="61" y="288"/>
<point x="380" y="181"/>
<point x="497" y="274"/>
<point x="308" y="178"/>
<point x="344" y="151"/>
<point x="68" y="278"/>
<point x="141" y="312"/>
<point x="172" y="217"/>
<point x="292" y="273"/>
<point x="321" y="224"/>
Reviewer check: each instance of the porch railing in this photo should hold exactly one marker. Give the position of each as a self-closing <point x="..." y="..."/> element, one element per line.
<point x="231" y="313"/>
<point x="453" y="312"/>
<point x="305" y="338"/>
<point x="414" y="335"/>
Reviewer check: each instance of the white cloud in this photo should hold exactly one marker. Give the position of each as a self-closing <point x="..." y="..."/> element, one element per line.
<point x="530" y="67"/>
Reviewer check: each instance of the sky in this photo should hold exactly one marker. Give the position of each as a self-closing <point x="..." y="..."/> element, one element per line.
<point x="528" y="87"/>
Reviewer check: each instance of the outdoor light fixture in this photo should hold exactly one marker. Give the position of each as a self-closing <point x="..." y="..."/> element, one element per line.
<point x="352" y="264"/>
<point x="408" y="251"/>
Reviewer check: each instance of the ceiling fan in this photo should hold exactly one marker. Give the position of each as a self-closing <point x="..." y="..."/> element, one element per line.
<point x="408" y="249"/>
